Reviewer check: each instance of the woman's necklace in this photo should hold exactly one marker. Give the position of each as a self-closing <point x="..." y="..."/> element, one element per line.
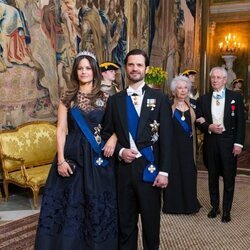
<point x="182" y="116"/>
<point x="181" y="108"/>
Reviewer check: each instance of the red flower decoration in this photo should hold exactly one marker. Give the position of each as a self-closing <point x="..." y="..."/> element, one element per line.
<point x="232" y="107"/>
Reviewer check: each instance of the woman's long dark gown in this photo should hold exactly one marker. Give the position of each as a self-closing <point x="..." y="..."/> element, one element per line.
<point x="180" y="196"/>
<point x="79" y="212"/>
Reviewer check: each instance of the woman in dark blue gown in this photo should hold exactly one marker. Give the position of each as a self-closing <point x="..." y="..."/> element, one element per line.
<point x="180" y="196"/>
<point x="79" y="209"/>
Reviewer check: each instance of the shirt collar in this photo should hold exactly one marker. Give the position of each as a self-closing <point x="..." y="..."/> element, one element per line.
<point x="139" y="91"/>
<point x="219" y="93"/>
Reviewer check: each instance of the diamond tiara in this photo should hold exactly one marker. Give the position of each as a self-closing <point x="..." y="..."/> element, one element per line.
<point x="86" y="53"/>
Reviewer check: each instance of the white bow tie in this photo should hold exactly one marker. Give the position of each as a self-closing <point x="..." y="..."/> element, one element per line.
<point x="134" y="92"/>
<point x="219" y="95"/>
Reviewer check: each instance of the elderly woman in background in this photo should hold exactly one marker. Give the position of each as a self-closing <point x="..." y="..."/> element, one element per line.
<point x="180" y="197"/>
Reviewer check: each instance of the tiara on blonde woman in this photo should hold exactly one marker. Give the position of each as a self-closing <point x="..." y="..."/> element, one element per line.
<point x="86" y="53"/>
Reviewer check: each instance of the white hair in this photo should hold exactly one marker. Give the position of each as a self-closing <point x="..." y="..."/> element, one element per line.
<point x="176" y="80"/>
<point x="221" y="69"/>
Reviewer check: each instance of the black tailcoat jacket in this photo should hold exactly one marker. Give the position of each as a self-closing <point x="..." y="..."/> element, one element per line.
<point x="116" y="121"/>
<point x="234" y="120"/>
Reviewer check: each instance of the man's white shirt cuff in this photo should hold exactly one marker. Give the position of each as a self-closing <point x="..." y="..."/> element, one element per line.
<point x="163" y="173"/>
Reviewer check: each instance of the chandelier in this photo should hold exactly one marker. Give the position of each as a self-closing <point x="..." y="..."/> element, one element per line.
<point x="230" y="45"/>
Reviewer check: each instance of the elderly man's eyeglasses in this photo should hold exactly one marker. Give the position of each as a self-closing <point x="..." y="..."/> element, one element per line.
<point x="217" y="77"/>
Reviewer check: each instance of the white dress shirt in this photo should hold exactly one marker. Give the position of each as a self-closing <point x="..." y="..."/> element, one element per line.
<point x="218" y="110"/>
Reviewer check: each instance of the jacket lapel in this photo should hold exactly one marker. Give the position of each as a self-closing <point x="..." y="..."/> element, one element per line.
<point x="122" y="111"/>
<point x="209" y="107"/>
<point x="227" y="104"/>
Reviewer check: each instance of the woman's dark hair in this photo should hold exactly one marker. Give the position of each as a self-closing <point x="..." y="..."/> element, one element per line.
<point x="73" y="84"/>
<point x="134" y="52"/>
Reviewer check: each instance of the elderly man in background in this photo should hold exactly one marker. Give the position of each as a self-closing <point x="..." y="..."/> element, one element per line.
<point x="224" y="133"/>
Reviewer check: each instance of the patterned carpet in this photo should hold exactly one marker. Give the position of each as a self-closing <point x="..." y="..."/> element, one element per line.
<point x="19" y="234"/>
<point x="177" y="231"/>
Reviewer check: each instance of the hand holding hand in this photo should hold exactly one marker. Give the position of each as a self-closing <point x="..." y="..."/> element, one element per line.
<point x="216" y="128"/>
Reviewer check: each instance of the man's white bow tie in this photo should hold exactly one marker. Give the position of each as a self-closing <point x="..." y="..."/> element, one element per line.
<point x="219" y="95"/>
<point x="134" y="92"/>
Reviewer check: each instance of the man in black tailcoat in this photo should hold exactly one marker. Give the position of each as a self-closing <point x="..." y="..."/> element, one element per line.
<point x="142" y="121"/>
<point x="224" y="133"/>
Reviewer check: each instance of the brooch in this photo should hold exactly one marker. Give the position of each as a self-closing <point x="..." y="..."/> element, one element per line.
<point x="99" y="102"/>
<point x="193" y="105"/>
<point x="151" y="103"/>
<point x="97" y="133"/>
<point x="154" y="128"/>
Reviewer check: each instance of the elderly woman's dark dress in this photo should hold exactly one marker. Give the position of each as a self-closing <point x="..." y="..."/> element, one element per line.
<point x="180" y="196"/>
<point x="80" y="212"/>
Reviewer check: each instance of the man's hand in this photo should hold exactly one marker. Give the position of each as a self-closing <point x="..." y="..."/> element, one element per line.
<point x="236" y="150"/>
<point x="128" y="155"/>
<point x="216" y="128"/>
<point x="161" y="181"/>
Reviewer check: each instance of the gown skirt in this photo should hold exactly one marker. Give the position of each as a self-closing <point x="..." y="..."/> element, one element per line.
<point x="180" y="196"/>
<point x="80" y="211"/>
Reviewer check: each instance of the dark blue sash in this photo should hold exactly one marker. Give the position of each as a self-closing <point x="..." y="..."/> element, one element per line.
<point x="150" y="171"/>
<point x="99" y="160"/>
<point x="184" y="124"/>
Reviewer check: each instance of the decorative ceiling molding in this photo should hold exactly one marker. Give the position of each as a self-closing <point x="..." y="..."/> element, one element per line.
<point x="230" y="8"/>
<point x="238" y="12"/>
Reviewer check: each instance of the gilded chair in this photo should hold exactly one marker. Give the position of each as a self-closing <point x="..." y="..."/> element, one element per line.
<point x="26" y="155"/>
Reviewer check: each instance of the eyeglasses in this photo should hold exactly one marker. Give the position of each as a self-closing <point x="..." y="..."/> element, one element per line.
<point x="217" y="77"/>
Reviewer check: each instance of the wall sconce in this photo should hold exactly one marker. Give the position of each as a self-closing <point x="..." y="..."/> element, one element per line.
<point x="230" y="45"/>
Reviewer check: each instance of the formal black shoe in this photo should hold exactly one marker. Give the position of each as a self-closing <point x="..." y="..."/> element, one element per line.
<point x="213" y="213"/>
<point x="226" y="218"/>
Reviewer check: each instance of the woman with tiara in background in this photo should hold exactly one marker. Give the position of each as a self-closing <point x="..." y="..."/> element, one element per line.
<point x="79" y="209"/>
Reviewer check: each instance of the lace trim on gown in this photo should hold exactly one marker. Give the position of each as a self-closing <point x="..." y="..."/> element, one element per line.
<point x="88" y="104"/>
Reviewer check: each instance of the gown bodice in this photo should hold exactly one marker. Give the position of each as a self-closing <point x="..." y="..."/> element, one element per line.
<point x="91" y="108"/>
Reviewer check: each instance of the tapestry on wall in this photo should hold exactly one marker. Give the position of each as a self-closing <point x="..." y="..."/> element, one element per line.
<point x="181" y="38"/>
<point x="38" y="42"/>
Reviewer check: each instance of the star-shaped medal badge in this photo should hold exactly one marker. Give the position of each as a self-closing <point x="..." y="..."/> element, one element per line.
<point x="154" y="128"/>
<point x="97" y="133"/>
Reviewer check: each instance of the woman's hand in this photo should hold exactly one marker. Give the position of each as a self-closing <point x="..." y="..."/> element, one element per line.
<point x="109" y="146"/>
<point x="200" y="120"/>
<point x="64" y="169"/>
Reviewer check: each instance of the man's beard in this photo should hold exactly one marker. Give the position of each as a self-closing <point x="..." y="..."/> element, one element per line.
<point x="133" y="80"/>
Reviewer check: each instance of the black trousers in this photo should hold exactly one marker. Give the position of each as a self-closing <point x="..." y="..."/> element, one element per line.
<point x="220" y="161"/>
<point x="137" y="197"/>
